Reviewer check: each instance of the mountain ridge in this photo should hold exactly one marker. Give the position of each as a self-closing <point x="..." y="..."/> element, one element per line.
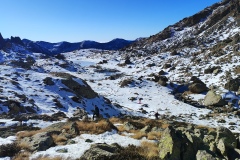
<point x="61" y="47"/>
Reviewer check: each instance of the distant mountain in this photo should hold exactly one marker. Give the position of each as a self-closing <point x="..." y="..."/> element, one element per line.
<point x="61" y="47"/>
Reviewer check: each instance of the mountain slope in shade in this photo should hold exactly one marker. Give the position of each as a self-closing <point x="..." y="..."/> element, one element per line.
<point x="61" y="47"/>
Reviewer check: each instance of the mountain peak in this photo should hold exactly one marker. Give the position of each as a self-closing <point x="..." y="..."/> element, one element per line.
<point x="2" y="41"/>
<point x="17" y="40"/>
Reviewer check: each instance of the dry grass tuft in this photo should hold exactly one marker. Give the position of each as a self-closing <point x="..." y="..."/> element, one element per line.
<point x="121" y="128"/>
<point x="150" y="149"/>
<point x="93" y="127"/>
<point x="23" y="134"/>
<point x="139" y="135"/>
<point x="22" y="156"/>
<point x="115" y="120"/>
<point x="154" y="135"/>
<point x="165" y="125"/>
<point x="24" y="146"/>
<point x="59" y="139"/>
<point x="49" y="158"/>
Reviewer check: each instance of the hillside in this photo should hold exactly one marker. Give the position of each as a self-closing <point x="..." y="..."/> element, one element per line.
<point x="189" y="74"/>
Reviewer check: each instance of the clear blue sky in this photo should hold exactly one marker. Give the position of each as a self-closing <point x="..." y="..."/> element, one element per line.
<point x="99" y="20"/>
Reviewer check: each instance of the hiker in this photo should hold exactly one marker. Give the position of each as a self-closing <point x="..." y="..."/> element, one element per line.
<point x="156" y="115"/>
<point x="139" y="100"/>
<point x="96" y="112"/>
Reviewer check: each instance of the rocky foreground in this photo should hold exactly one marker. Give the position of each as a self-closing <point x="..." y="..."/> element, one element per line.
<point x="160" y="139"/>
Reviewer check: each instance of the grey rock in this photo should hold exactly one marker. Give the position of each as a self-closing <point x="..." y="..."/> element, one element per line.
<point x="100" y="151"/>
<point x="204" y="155"/>
<point x="81" y="90"/>
<point x="233" y="84"/>
<point x="38" y="142"/>
<point x="174" y="145"/>
<point x="213" y="99"/>
<point x="228" y="137"/>
<point x="197" y="87"/>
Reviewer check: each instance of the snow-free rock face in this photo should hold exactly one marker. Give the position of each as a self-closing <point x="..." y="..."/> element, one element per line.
<point x="83" y="90"/>
<point x="101" y="151"/>
<point x="173" y="144"/>
<point x="38" y="142"/>
<point x="213" y="99"/>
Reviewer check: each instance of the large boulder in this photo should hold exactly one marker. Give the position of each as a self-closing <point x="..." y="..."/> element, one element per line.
<point x="81" y="113"/>
<point x="233" y="84"/>
<point x="226" y="142"/>
<point x="38" y="142"/>
<point x="79" y="87"/>
<point x="48" y="81"/>
<point x="227" y="135"/>
<point x="162" y="80"/>
<point x="213" y="99"/>
<point x="197" y="87"/>
<point x="127" y="60"/>
<point x="126" y="82"/>
<point x="174" y="145"/>
<point x="213" y="69"/>
<point x="15" y="108"/>
<point x="100" y="151"/>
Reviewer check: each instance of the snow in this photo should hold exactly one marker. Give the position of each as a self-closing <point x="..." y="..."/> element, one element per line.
<point x="7" y="140"/>
<point x="76" y="150"/>
<point x="16" y="82"/>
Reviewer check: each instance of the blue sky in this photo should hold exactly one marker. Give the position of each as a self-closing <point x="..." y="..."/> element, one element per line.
<point x="99" y="20"/>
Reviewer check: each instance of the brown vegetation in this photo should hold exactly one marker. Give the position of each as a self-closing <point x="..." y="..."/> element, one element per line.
<point x="93" y="127"/>
<point x="59" y="139"/>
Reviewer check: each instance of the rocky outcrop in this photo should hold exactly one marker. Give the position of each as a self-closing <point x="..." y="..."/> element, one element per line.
<point x="81" y="90"/>
<point x="15" y="108"/>
<point x="127" y="60"/>
<point x="162" y="80"/>
<point x="38" y="142"/>
<point x="214" y="69"/>
<point x="213" y="99"/>
<point x="2" y="41"/>
<point x="175" y="145"/>
<point x="183" y="143"/>
<point x="197" y="86"/>
<point x="203" y="154"/>
<point x="126" y="82"/>
<point x="80" y="113"/>
<point x="17" y="40"/>
<point x="48" y="81"/>
<point x="233" y="84"/>
<point x="100" y="151"/>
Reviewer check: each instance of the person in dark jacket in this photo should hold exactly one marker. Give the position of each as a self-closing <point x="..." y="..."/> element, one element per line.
<point x="96" y="112"/>
<point x="156" y="115"/>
